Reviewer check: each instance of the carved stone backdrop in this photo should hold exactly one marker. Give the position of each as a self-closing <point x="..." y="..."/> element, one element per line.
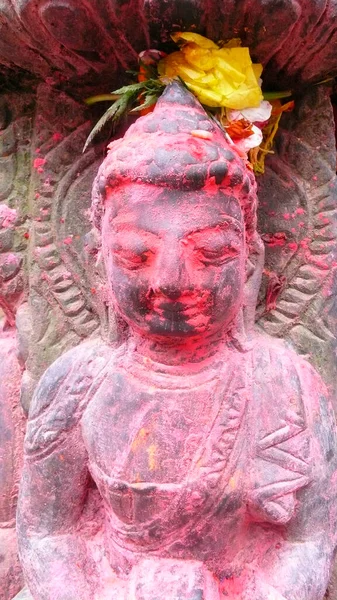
<point x="61" y="296"/>
<point x="54" y="53"/>
<point x="81" y="47"/>
<point x="298" y="223"/>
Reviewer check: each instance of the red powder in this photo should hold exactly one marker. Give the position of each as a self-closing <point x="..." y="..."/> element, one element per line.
<point x="276" y="239"/>
<point x="68" y="240"/>
<point x="38" y="163"/>
<point x="57" y="137"/>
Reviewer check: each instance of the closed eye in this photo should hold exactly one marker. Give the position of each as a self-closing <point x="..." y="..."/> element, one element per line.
<point x="217" y="256"/>
<point x="132" y="260"/>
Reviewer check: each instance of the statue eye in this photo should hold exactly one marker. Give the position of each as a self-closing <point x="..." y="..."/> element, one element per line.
<point x="132" y="260"/>
<point x="217" y="255"/>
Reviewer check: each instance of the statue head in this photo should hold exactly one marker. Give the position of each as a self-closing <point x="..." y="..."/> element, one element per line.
<point x="176" y="207"/>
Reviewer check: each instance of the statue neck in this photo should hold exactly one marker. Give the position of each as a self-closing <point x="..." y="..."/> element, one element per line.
<point x="179" y="351"/>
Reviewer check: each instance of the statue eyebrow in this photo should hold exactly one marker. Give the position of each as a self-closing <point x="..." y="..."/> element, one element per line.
<point x="124" y="226"/>
<point x="132" y="227"/>
<point x="221" y="225"/>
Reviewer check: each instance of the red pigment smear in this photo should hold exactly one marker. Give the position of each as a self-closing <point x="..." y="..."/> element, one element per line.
<point x="276" y="239"/>
<point x="275" y="286"/>
<point x="211" y="187"/>
<point x="195" y="148"/>
<point x="68" y="240"/>
<point x="305" y="242"/>
<point x="321" y="264"/>
<point x="38" y="163"/>
<point x="57" y="136"/>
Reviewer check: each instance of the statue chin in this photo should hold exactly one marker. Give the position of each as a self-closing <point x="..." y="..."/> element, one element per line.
<point x="179" y="465"/>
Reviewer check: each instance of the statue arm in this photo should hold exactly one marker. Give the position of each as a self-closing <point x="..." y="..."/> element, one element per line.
<point x="294" y="561"/>
<point x="298" y="570"/>
<point x="54" y="488"/>
<point x="51" y="499"/>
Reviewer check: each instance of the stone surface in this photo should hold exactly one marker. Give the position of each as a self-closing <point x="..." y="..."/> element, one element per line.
<point x="62" y="302"/>
<point x="76" y="48"/>
<point x="11" y="415"/>
<point x="196" y="459"/>
<point x="46" y="124"/>
<point x="44" y="175"/>
<point x="298" y="221"/>
<point x="81" y="42"/>
<point x="11" y="450"/>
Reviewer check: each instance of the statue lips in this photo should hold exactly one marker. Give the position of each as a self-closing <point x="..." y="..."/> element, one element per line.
<point x="184" y="307"/>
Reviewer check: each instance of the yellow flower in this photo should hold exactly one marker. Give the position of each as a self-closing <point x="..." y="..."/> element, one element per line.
<point x="217" y="76"/>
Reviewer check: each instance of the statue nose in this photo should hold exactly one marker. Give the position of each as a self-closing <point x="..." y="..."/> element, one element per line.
<point x="171" y="291"/>
<point x="170" y="277"/>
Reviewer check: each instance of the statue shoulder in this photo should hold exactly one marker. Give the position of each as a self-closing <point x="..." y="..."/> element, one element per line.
<point x="64" y="391"/>
<point x="292" y="390"/>
<point x="276" y="361"/>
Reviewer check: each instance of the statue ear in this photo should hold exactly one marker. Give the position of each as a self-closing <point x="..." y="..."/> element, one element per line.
<point x="254" y="269"/>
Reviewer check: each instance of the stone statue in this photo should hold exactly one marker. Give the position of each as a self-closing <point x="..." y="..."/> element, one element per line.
<point x="11" y="415"/>
<point x="196" y="459"/>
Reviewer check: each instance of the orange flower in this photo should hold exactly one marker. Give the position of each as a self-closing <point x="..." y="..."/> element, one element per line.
<point x="239" y="129"/>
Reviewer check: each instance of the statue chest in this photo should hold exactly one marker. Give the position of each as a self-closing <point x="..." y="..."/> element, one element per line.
<point x="162" y="457"/>
<point x="142" y="433"/>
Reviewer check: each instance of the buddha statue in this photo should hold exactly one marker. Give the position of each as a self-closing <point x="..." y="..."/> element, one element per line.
<point x="196" y="458"/>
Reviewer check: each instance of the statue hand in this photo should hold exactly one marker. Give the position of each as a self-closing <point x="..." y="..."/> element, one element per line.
<point x="165" y="578"/>
<point x="253" y="587"/>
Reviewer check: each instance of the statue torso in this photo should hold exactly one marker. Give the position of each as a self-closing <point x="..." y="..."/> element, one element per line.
<point x="185" y="461"/>
<point x="164" y="448"/>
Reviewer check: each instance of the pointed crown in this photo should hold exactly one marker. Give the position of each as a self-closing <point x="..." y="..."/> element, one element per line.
<point x="180" y="147"/>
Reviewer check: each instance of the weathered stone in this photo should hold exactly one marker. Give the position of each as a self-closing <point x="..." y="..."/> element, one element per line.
<point x="212" y="447"/>
<point x="81" y="43"/>
<point x="78" y="48"/>
<point x="12" y="420"/>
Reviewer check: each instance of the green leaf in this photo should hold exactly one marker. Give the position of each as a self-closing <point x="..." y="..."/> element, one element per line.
<point x="327" y="80"/>
<point x="154" y="85"/>
<point x="276" y="95"/>
<point x="113" y="113"/>
<point x="100" y="98"/>
<point x="133" y="88"/>
<point x="126" y="96"/>
<point x="150" y="99"/>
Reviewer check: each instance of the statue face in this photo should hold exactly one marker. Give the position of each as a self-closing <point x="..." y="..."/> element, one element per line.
<point x="175" y="260"/>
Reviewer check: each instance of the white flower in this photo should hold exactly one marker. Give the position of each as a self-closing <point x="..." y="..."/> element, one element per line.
<point x="253" y="141"/>
<point x="261" y="114"/>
